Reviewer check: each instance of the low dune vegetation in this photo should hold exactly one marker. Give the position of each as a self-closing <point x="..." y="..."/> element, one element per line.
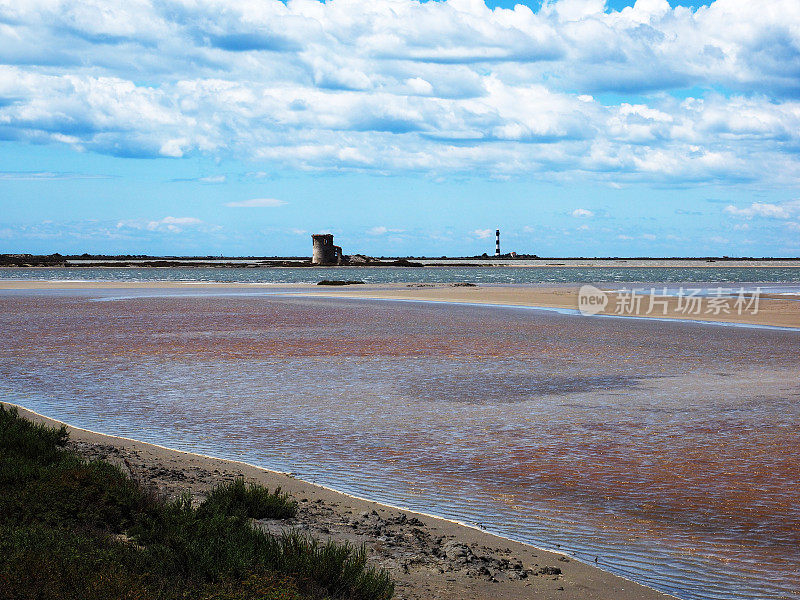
<point x="77" y="529"/>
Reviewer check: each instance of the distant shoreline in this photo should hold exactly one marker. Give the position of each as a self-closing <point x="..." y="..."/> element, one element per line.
<point x="123" y="262"/>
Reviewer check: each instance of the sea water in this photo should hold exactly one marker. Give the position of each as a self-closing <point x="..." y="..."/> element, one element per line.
<point x="495" y="275"/>
<point x="668" y="451"/>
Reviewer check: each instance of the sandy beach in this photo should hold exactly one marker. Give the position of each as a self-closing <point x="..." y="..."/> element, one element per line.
<point x="428" y="557"/>
<point x="773" y="310"/>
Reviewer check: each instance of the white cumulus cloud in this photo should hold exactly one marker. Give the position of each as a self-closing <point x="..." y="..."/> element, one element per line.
<point x="406" y="86"/>
<point x="382" y="230"/>
<point x="765" y="209"/>
<point x="173" y="224"/>
<point x="188" y="227"/>
<point x="582" y="213"/>
<point x="213" y="179"/>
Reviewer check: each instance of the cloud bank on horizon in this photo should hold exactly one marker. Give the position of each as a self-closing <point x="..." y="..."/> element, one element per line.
<point x="649" y="94"/>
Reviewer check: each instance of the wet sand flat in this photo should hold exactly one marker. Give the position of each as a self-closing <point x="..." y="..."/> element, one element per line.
<point x="773" y="310"/>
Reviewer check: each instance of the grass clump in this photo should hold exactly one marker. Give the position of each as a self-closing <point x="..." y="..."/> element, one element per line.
<point x="74" y="529"/>
<point x="248" y="500"/>
<point x="339" y="568"/>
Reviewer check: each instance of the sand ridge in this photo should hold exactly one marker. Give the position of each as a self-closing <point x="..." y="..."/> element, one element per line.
<point x="773" y="310"/>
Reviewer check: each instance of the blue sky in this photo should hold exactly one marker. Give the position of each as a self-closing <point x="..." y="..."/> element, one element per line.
<point x="243" y="126"/>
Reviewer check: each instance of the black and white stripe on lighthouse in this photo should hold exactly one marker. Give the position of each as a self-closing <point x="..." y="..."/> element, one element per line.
<point x="497" y="245"/>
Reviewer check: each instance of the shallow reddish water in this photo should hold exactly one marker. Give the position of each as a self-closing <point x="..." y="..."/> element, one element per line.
<point x="670" y="451"/>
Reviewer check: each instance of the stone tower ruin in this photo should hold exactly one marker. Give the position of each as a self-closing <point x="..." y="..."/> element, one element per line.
<point x="324" y="252"/>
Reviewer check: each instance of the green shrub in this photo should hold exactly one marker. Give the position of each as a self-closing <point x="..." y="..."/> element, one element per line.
<point x="264" y="585"/>
<point x="73" y="492"/>
<point x="178" y="539"/>
<point x="39" y="562"/>
<point x="26" y="447"/>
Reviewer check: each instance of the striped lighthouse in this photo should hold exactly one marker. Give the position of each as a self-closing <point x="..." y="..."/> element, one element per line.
<point x="497" y="243"/>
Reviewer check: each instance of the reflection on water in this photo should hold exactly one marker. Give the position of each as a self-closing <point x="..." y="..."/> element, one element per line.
<point x="668" y="450"/>
<point x="506" y="387"/>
